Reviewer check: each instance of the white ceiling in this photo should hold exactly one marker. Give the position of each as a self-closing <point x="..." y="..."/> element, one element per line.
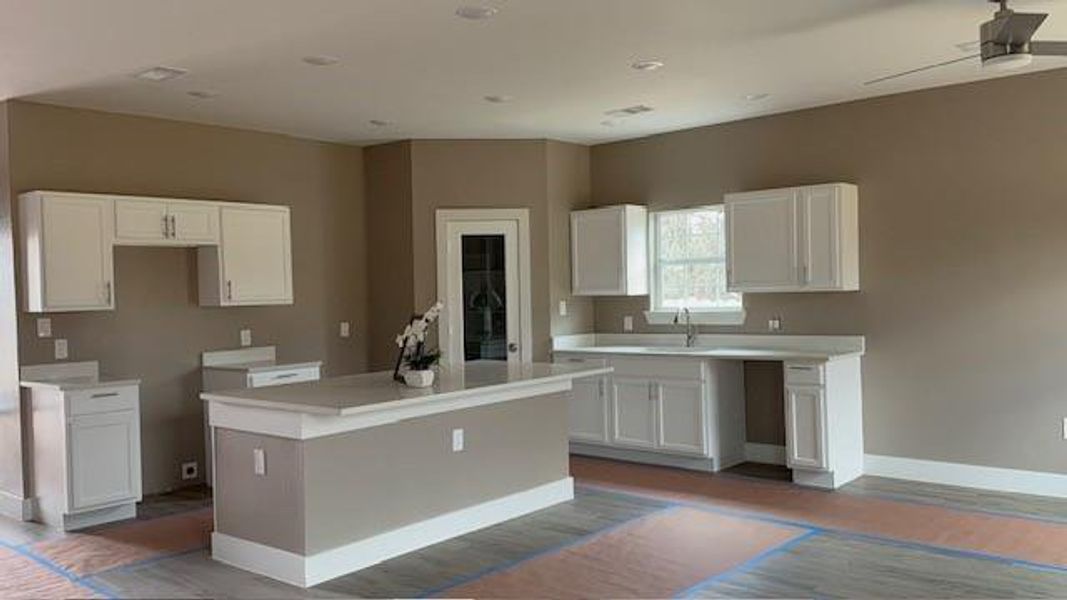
<point x="416" y="65"/>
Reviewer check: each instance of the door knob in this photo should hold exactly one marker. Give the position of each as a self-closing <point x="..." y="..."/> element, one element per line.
<point x="513" y="347"/>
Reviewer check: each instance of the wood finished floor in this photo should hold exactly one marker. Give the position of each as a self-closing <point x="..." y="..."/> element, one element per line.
<point x="821" y="565"/>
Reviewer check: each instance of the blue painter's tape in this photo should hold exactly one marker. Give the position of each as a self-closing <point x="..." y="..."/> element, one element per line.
<point x="747" y="565"/>
<point x="62" y="572"/>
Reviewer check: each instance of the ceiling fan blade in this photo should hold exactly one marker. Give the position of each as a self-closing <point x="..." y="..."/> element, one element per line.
<point x="1048" y="48"/>
<point x="1012" y="29"/>
<point x="920" y="69"/>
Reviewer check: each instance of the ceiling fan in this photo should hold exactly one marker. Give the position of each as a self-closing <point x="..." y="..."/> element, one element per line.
<point x="1005" y="43"/>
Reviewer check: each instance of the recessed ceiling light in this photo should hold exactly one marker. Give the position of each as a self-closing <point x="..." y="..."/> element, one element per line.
<point x="203" y="94"/>
<point x="157" y="74"/>
<point x="321" y="60"/>
<point x="499" y="99"/>
<point x="476" y="13"/>
<point x="379" y="122"/>
<point x="756" y="97"/>
<point x="647" y="65"/>
<point x="629" y="111"/>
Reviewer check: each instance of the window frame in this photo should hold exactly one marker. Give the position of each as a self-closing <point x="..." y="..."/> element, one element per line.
<point x="658" y="315"/>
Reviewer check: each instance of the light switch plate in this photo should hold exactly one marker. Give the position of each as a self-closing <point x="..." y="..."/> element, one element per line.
<point x="345" y="329"/>
<point x="774" y="324"/>
<point x="246" y="338"/>
<point x="457" y="440"/>
<point x="259" y="461"/>
<point x="61" y="349"/>
<point x="44" y="327"/>
<point x="627" y="323"/>
<point x="563" y="308"/>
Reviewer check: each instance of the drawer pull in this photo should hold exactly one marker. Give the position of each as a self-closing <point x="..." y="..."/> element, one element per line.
<point x="105" y="395"/>
<point x="285" y="375"/>
<point x="793" y="368"/>
<point x="576" y="360"/>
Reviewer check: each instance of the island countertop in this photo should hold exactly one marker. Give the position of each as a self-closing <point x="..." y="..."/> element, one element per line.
<point x="375" y="392"/>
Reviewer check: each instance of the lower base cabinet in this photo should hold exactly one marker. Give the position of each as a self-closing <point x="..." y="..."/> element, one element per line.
<point x="634" y="422"/>
<point x="588" y="411"/>
<point x="681" y="417"/>
<point x="805" y="422"/>
<point x="105" y="452"/>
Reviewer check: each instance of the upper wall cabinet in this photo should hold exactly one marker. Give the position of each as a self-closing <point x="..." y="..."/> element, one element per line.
<point x="66" y="252"/>
<point x="254" y="261"/>
<point x="155" y="222"/>
<point x="803" y="239"/>
<point x="609" y="251"/>
<point x="68" y="239"/>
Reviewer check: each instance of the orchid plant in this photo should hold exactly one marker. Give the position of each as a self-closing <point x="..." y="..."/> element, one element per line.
<point x="412" y="342"/>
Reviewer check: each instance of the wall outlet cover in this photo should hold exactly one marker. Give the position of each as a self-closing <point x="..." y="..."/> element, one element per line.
<point x="61" y="349"/>
<point x="457" y="440"/>
<point x="627" y="323"/>
<point x="246" y="338"/>
<point x="44" y="327"/>
<point x="190" y="470"/>
<point x="345" y="329"/>
<point x="563" y="308"/>
<point x="259" y="461"/>
<point x="774" y="324"/>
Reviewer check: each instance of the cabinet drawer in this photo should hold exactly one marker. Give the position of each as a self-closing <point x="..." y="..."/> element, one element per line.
<point x="102" y="400"/>
<point x="658" y="368"/>
<point x="282" y="377"/>
<point x="804" y="374"/>
<point x="574" y="359"/>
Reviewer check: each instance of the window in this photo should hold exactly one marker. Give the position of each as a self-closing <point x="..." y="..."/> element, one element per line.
<point x="689" y="267"/>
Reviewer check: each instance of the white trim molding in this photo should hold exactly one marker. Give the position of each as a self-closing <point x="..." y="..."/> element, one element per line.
<point x="306" y="571"/>
<point x="16" y="507"/>
<point x="973" y="476"/>
<point x="768" y="454"/>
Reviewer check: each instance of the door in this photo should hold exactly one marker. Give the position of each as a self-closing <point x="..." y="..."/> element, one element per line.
<point x="588" y="410"/>
<point x="805" y="427"/>
<point x="78" y="271"/>
<point x="634" y="416"/>
<point x="194" y="223"/>
<point x="141" y="221"/>
<point x="680" y="416"/>
<point x="819" y="241"/>
<point x="105" y="459"/>
<point x="483" y="280"/>
<point x="598" y="251"/>
<point x="761" y="241"/>
<point x="256" y="261"/>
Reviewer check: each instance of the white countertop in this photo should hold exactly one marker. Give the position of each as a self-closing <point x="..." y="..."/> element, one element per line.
<point x="78" y="383"/>
<point x="711" y="352"/>
<point x="265" y="366"/>
<point x="722" y="346"/>
<point x="355" y="394"/>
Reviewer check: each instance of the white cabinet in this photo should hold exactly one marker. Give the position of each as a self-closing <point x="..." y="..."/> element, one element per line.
<point x="252" y="264"/>
<point x="609" y="251"/>
<point x="803" y="239"/>
<point x="681" y="416"/>
<point x="160" y="222"/>
<point x="588" y="411"/>
<point x="66" y="252"/>
<point x="805" y="422"/>
<point x="105" y="451"/>
<point x="634" y="414"/>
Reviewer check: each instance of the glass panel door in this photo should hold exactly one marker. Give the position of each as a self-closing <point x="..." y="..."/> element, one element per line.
<point x="485" y="309"/>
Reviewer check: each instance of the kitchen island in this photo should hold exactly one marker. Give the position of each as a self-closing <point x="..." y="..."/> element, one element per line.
<point x="319" y="479"/>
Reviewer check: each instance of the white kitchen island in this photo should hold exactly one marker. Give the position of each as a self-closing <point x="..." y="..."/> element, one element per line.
<point x="319" y="479"/>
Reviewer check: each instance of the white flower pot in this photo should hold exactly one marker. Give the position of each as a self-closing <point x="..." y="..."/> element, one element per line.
<point x="419" y="379"/>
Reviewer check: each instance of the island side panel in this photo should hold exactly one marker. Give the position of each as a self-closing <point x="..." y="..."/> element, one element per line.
<point x="371" y="481"/>
<point x="269" y="508"/>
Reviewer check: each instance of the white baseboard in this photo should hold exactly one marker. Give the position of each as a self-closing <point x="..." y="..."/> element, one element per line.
<point x="645" y="457"/>
<point x="973" y="476"/>
<point x="306" y="571"/>
<point x="768" y="454"/>
<point x="16" y="507"/>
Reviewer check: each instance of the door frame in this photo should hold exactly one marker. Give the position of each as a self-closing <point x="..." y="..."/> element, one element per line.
<point x="446" y="282"/>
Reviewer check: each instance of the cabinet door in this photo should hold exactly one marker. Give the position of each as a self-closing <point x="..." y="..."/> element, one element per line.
<point x="819" y="239"/>
<point x="598" y="252"/>
<point x="256" y="261"/>
<point x="105" y="459"/>
<point x="77" y="269"/>
<point x="588" y="411"/>
<point x="681" y="417"/>
<point x="761" y="241"/>
<point x="634" y="416"/>
<point x="805" y="427"/>
<point x="140" y="221"/>
<point x="194" y="223"/>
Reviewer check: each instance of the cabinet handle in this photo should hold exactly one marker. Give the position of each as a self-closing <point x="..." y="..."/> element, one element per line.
<point x="105" y="395"/>
<point x="107" y="292"/>
<point x="166" y="227"/>
<point x="229" y="290"/>
<point x="285" y="375"/>
<point x="804" y="274"/>
<point x="796" y="368"/>
<point x="173" y="227"/>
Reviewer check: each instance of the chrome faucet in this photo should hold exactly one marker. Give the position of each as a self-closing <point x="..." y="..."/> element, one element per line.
<point x="690" y="329"/>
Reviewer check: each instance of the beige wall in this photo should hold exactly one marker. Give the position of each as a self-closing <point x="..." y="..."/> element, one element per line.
<point x="963" y="206"/>
<point x="12" y="484"/>
<point x="158" y="331"/>
<point x="569" y="188"/>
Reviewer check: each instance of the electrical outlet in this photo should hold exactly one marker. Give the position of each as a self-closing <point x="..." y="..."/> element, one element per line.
<point x="345" y="329"/>
<point x="1065" y="428"/>
<point x="44" y="328"/>
<point x="61" y="349"/>
<point x="246" y="338"/>
<point x="457" y="440"/>
<point x="563" y="308"/>
<point x="774" y="324"/>
<point x="190" y="470"/>
<point x="259" y="461"/>
<point x="627" y="323"/>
